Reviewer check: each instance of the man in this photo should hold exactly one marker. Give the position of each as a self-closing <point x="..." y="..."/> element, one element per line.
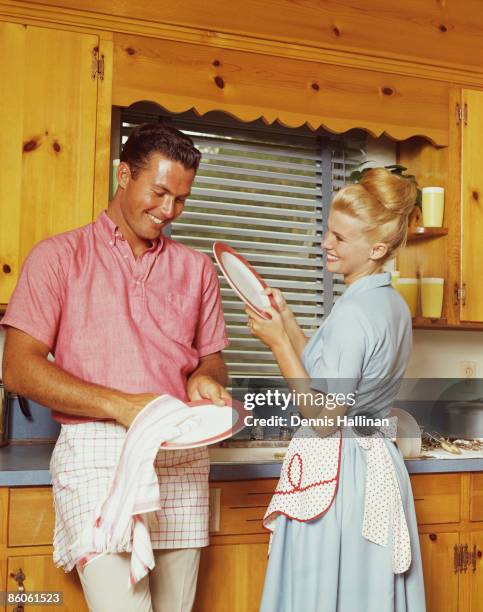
<point x="129" y="314"/>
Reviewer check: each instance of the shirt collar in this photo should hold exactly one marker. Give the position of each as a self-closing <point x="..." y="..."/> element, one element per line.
<point x="111" y="234"/>
<point x="367" y="282"/>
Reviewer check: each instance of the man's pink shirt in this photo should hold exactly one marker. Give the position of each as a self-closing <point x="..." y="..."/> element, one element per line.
<point x="136" y="325"/>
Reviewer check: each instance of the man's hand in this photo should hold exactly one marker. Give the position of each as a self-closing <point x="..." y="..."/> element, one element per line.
<point x="201" y="386"/>
<point x="129" y="405"/>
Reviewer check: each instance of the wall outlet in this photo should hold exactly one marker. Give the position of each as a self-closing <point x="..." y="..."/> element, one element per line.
<point x="468" y="369"/>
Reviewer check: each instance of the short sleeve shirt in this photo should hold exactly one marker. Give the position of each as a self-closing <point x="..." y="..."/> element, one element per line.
<point x="136" y="325"/>
<point x="363" y="346"/>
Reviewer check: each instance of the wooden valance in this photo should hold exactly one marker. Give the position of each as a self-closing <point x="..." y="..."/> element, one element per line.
<point x="182" y="76"/>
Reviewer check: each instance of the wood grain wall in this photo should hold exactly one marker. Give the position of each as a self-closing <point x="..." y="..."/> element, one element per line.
<point x="441" y="32"/>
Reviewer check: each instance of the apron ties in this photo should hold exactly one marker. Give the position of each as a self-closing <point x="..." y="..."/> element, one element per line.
<point x="384" y="517"/>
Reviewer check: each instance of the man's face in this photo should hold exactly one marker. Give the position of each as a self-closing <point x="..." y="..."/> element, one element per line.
<point x="153" y="199"/>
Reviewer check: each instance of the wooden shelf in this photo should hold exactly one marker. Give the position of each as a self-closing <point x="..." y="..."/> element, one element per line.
<point x="425" y="323"/>
<point x="422" y="233"/>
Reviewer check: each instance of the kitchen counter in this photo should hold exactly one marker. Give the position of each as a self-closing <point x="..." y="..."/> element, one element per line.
<point x="28" y="465"/>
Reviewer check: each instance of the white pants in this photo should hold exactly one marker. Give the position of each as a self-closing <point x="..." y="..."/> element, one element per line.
<point x="169" y="587"/>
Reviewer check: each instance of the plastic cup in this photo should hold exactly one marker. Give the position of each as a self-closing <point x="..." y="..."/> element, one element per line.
<point x="433" y="206"/>
<point x="408" y="290"/>
<point x="432" y="290"/>
<point x="395" y="275"/>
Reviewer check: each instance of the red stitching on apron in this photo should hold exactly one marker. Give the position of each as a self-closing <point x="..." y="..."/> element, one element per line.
<point x="296" y="487"/>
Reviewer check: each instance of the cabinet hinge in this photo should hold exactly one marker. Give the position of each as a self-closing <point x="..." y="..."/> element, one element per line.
<point x="97" y="66"/>
<point x="460" y="294"/>
<point x="461" y="113"/>
<point x="458" y="113"/>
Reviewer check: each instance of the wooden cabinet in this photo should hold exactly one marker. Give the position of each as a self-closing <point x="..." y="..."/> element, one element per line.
<point x="472" y="205"/>
<point x="440" y="579"/>
<point x="476" y="497"/>
<point x="38" y="573"/>
<point x="437" y="500"/>
<point x="31" y="517"/>
<point x="51" y="102"/>
<point x="450" y="520"/>
<point x="27" y="529"/>
<point x="455" y="255"/>
<point x="231" y="577"/>
<point x="473" y="573"/>
<point x="232" y="569"/>
<point x="55" y="154"/>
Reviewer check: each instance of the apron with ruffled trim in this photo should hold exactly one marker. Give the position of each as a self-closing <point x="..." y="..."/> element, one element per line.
<point x="309" y="480"/>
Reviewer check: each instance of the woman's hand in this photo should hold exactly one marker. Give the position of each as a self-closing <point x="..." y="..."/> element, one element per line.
<point x="282" y="305"/>
<point x="270" y="331"/>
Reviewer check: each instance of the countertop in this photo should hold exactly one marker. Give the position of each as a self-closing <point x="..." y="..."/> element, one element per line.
<point x="28" y="465"/>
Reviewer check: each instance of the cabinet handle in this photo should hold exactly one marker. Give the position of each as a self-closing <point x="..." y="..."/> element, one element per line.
<point x="19" y="577"/>
<point x="433" y="537"/>
<point x="461" y="557"/>
<point x="466" y="557"/>
<point x="473" y="559"/>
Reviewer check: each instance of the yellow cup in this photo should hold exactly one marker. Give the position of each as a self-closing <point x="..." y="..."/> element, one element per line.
<point x="433" y="206"/>
<point x="408" y="290"/>
<point x="432" y="297"/>
<point x="395" y="276"/>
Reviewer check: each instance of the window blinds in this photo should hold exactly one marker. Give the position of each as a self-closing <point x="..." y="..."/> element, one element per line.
<point x="266" y="193"/>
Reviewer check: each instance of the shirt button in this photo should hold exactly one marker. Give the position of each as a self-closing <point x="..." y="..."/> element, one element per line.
<point x="111" y="242"/>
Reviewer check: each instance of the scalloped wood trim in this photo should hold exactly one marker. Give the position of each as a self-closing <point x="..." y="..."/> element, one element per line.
<point x="289" y="120"/>
<point x="248" y="86"/>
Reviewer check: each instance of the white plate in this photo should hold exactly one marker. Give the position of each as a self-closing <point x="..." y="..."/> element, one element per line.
<point x="217" y="423"/>
<point x="243" y="279"/>
<point x="408" y="435"/>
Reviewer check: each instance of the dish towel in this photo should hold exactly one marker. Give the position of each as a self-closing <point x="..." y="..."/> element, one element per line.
<point x="119" y="522"/>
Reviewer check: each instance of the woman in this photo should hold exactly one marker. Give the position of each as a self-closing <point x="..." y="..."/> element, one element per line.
<point x="344" y="532"/>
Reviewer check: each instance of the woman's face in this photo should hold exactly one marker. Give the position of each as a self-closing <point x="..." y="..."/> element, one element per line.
<point x="348" y="249"/>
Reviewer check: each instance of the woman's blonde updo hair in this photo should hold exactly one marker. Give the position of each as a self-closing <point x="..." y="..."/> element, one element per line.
<point x="383" y="201"/>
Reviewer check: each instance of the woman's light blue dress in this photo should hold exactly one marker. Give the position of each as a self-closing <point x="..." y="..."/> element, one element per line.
<point x="325" y="565"/>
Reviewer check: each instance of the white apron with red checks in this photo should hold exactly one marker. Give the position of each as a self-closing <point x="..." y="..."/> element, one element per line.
<point x="82" y="466"/>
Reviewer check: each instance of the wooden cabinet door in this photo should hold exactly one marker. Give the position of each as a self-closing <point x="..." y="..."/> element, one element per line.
<point x="440" y="579"/>
<point x="42" y="575"/>
<point x="231" y="578"/>
<point x="472" y="576"/>
<point x="47" y="143"/>
<point x="472" y="206"/>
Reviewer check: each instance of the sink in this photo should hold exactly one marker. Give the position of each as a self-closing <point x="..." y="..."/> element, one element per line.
<point x="247" y="454"/>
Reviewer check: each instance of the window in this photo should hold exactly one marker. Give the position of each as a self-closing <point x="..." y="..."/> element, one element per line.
<point x="265" y="191"/>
